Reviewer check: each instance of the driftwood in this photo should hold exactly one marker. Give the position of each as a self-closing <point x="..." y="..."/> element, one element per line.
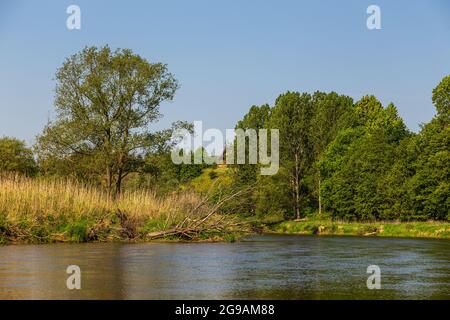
<point x="199" y="221"/>
<point x="169" y="232"/>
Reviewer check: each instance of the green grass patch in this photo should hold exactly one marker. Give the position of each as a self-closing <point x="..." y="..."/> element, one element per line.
<point x="432" y="229"/>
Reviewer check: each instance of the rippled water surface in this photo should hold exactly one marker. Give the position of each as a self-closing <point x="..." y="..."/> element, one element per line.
<point x="273" y="267"/>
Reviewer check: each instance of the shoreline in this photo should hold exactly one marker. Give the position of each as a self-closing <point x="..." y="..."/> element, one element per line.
<point x="384" y="229"/>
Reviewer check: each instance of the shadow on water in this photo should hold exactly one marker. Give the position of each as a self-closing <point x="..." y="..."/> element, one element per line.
<point x="262" y="267"/>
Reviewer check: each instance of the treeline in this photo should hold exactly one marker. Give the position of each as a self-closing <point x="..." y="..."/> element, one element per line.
<point x="355" y="161"/>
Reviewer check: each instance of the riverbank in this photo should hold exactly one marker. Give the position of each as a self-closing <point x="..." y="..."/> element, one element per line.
<point x="425" y="229"/>
<point x="47" y="211"/>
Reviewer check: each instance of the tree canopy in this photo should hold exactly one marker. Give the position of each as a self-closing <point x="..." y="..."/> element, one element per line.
<point x="16" y="157"/>
<point x="105" y="101"/>
<point x="357" y="161"/>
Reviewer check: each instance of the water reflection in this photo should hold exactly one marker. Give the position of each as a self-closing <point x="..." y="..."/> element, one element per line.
<point x="273" y="267"/>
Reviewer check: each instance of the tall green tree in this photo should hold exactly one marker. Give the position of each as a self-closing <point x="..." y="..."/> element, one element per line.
<point x="359" y="162"/>
<point x="105" y="102"/>
<point x="328" y="118"/>
<point x="430" y="185"/>
<point x="292" y="116"/>
<point x="246" y="175"/>
<point x="16" y="157"/>
<point x="441" y="100"/>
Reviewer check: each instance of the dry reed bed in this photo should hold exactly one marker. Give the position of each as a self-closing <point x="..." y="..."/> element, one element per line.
<point x="43" y="210"/>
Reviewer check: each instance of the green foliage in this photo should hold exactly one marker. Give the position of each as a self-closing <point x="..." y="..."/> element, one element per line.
<point x="272" y="194"/>
<point x="246" y="175"/>
<point x="328" y="118"/>
<point x="433" y="229"/>
<point x="379" y="170"/>
<point x="211" y="181"/>
<point x="16" y="157"/>
<point x="292" y="116"/>
<point x="77" y="231"/>
<point x="358" y="161"/>
<point x="160" y="174"/>
<point x="105" y="101"/>
<point x="213" y="175"/>
<point x="361" y="160"/>
<point x="307" y="123"/>
<point x="152" y="225"/>
<point x="441" y="99"/>
<point x="430" y="185"/>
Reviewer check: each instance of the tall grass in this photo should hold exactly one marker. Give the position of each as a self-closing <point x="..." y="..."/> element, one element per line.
<point x="43" y="210"/>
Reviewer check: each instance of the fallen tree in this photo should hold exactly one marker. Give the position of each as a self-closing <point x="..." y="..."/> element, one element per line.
<point x="205" y="218"/>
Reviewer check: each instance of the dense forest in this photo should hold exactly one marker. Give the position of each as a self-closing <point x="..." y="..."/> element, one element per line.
<point x="344" y="159"/>
<point x="354" y="160"/>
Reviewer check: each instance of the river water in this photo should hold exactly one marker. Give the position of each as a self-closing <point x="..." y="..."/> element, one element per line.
<point x="261" y="267"/>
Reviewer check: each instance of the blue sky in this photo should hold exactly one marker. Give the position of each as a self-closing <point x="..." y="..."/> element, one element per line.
<point x="229" y="55"/>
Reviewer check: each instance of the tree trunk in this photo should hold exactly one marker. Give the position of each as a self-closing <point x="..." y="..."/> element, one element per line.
<point x="297" y="201"/>
<point x="121" y="161"/>
<point x="118" y="183"/>
<point x="109" y="174"/>
<point x="109" y="179"/>
<point x="320" y="198"/>
<point x="297" y="189"/>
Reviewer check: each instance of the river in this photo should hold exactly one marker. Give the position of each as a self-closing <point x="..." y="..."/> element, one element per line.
<point x="260" y="267"/>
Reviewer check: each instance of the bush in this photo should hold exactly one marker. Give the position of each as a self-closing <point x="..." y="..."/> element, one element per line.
<point x="16" y="157"/>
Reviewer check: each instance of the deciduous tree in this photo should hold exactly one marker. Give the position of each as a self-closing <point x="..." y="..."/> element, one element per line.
<point x="105" y="102"/>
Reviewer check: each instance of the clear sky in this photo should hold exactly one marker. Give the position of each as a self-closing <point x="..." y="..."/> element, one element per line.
<point x="229" y="55"/>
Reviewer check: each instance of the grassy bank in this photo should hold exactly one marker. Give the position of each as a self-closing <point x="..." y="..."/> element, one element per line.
<point x="45" y="211"/>
<point x="430" y="229"/>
